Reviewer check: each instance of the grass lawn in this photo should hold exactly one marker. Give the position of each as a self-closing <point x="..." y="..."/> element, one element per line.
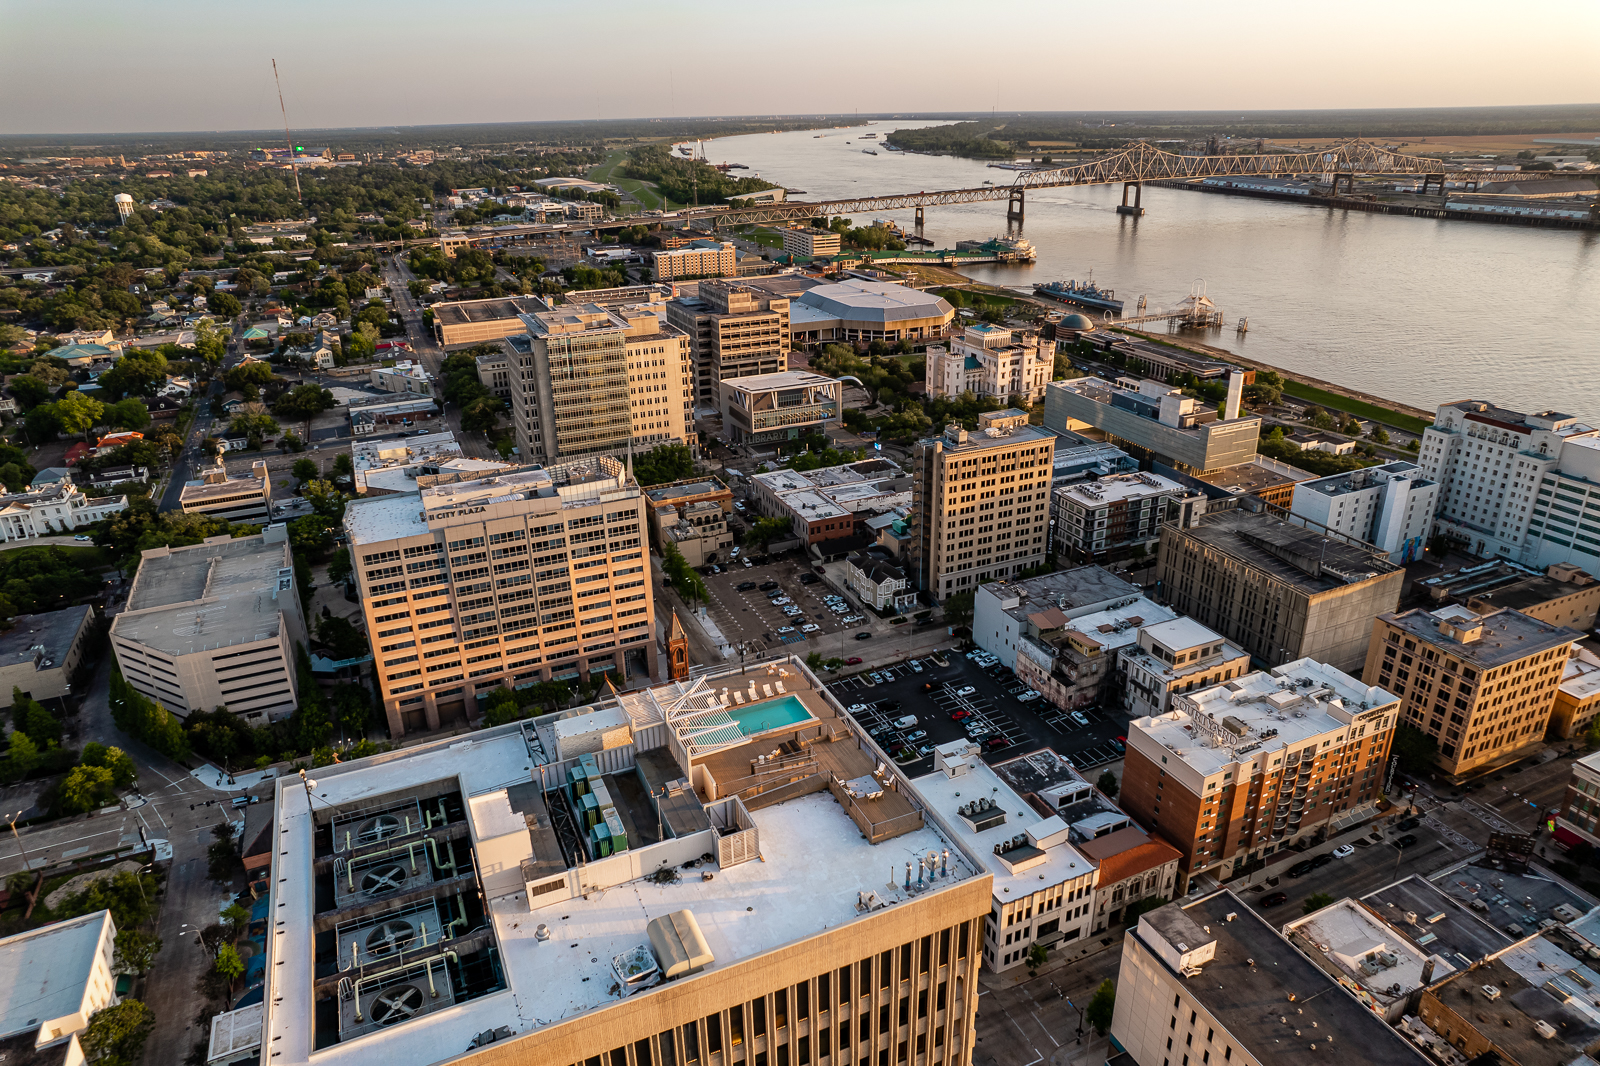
<point x="765" y="237"/>
<point x="642" y="191"/>
<point x="1333" y="401"/>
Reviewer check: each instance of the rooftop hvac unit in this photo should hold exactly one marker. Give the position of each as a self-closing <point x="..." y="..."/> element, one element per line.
<point x="397" y="1004"/>
<point x="383" y="879"/>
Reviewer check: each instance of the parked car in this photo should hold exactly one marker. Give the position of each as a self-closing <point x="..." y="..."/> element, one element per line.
<point x="82" y="538"/>
<point x="1079" y="718"/>
<point x="916" y="666"/>
<point x="1273" y="899"/>
<point x="786" y="629"/>
<point x="957" y="716"/>
<point x="965" y="690"/>
<point x="854" y="660"/>
<point x="916" y="735"/>
<point x="1405" y="841"/>
<point x="1300" y="869"/>
<point x="996" y="742"/>
<point x="1321" y="860"/>
<point x="734" y="554"/>
<point x="1344" y="851"/>
<point x="925" y="750"/>
<point x="809" y="579"/>
<point x="1028" y="696"/>
<point x="745" y="586"/>
<point x="747" y="564"/>
<point x="766" y="586"/>
<point x="888" y="705"/>
<point x="1409" y="824"/>
<point x="859" y="708"/>
<point x="853" y="619"/>
<point x="863" y="636"/>
<point x="810" y="627"/>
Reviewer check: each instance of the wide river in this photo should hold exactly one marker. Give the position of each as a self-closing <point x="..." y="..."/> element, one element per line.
<point x="1416" y="310"/>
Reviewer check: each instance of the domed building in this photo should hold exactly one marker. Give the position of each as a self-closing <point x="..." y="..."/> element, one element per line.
<point x="1079" y="323"/>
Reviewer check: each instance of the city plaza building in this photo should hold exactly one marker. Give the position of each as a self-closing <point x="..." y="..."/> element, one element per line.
<point x="708" y="872"/>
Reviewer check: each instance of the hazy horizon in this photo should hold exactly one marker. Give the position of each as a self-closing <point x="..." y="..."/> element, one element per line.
<point x="186" y="66"/>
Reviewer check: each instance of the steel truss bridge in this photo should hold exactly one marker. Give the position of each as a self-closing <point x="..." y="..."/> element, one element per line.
<point x="1131" y="167"/>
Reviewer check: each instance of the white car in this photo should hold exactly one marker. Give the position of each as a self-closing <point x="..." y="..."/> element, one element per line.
<point x="1080" y="719"/>
<point x="734" y="554"/>
<point x="82" y="539"/>
<point x="786" y="629"/>
<point x="1028" y="696"/>
<point x="857" y="708"/>
<point x="965" y="690"/>
<point x="747" y="563"/>
<point x="1344" y="851"/>
<point x="917" y="666"/>
<point x="854" y="619"/>
<point x="810" y="627"/>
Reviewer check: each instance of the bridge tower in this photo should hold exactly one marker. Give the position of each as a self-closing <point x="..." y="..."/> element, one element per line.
<point x="1135" y="209"/>
<point x="1428" y="181"/>
<point x="1014" y="207"/>
<point x="919" y="222"/>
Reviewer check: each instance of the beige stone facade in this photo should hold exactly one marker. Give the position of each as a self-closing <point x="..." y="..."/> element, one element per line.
<point x="40" y="652"/>
<point x="734" y="331"/>
<point x="701" y="259"/>
<point x="810" y="243"/>
<point x="464" y="322"/>
<point x="1483" y="686"/>
<point x="980" y="503"/>
<point x="523" y="577"/>
<point x="237" y="499"/>
<point x="587" y="379"/>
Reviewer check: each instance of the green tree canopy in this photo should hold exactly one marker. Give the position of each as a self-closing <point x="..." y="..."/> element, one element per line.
<point x="1102" y="1008"/>
<point x="78" y="414"/>
<point x="116" y="1035"/>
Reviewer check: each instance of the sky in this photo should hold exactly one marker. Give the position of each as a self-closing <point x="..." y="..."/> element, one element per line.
<point x="89" y="66"/>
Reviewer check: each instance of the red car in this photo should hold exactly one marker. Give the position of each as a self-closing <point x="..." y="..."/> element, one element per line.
<point x="996" y="742"/>
<point x="854" y="660"/>
<point x="956" y="716"/>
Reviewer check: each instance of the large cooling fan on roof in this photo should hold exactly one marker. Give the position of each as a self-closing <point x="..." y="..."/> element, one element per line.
<point x="390" y="937"/>
<point x="397" y="1004"/>
<point x="378" y="829"/>
<point x="383" y="879"/>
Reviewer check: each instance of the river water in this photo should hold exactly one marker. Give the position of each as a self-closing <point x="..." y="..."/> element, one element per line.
<point x="1416" y="310"/>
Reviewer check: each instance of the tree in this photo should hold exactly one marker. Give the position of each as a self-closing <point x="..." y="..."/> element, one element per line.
<point x="1108" y="784"/>
<point x="136" y="950"/>
<point x="958" y="608"/>
<point x="29" y="716"/>
<point x="1037" y="955"/>
<point x="1102" y="1008"/>
<point x="229" y="966"/>
<point x="1379" y="434"/>
<point x="1315" y="902"/>
<point x="123" y="772"/>
<point x="1415" y="749"/>
<point x="304" y="470"/>
<point x="236" y="918"/>
<point x="128" y="414"/>
<point x="763" y="530"/>
<point x="22" y="759"/>
<point x="115" y="1036"/>
<point x="30" y="391"/>
<point x="339" y="568"/>
<point x="303" y="403"/>
<point x="325" y="499"/>
<point x="344" y="466"/>
<point x="226" y="303"/>
<point x="1591" y="735"/>
<point x="209" y="343"/>
<point x="86" y="788"/>
<point x="140" y="373"/>
<point x="664" y="463"/>
<point x="78" y="414"/>
<point x="246" y="424"/>
<point x="343" y="640"/>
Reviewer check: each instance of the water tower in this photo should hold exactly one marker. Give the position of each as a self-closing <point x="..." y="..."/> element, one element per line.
<point x="124" y="204"/>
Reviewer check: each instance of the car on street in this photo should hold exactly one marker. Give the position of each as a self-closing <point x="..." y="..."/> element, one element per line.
<point x="1409" y="824"/>
<point x="745" y="586"/>
<point x="1344" y="851"/>
<point x="1027" y="697"/>
<point x="965" y="690"/>
<point x="1079" y="718"/>
<point x="1405" y="841"/>
<point x="82" y="538"/>
<point x="1300" y="869"/>
<point x="1273" y="899"/>
<point x="863" y="636"/>
<point x="854" y="660"/>
<point x="1321" y="860"/>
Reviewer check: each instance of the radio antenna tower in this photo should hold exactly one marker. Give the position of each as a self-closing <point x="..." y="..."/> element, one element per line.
<point x="287" y="142"/>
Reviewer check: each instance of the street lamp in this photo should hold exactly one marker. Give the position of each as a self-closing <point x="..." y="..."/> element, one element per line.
<point x="27" y="863"/>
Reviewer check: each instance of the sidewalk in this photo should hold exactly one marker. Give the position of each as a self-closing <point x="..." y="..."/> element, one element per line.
<point x="1378" y="821"/>
<point x="1059" y="958"/>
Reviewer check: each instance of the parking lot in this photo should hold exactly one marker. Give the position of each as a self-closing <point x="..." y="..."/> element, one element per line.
<point x="780" y="601"/>
<point x="955" y="697"/>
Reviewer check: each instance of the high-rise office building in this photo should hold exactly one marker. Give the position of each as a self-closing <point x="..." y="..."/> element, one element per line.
<point x="634" y="887"/>
<point x="980" y="503"/>
<point x="735" y="331"/>
<point x="529" y="576"/>
<point x="589" y="379"/>
<point x="1483" y="686"/>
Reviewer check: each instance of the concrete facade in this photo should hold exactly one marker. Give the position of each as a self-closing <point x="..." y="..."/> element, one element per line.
<point x="40" y="652"/>
<point x="1154" y="422"/>
<point x="1390" y="506"/>
<point x="772" y="408"/>
<point x="1122" y="512"/>
<point x="1275" y="589"/>
<point x="734" y="330"/>
<point x="235" y="499"/>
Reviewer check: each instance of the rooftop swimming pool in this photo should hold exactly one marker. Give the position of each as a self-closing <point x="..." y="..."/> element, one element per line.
<point x="754" y="718"/>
